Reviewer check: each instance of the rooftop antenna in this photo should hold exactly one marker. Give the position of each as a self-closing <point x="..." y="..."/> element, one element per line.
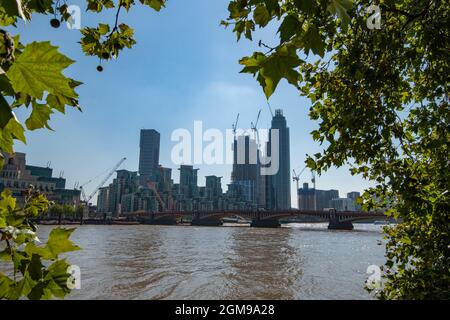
<point x="61" y="174"/>
<point x="49" y="163"/>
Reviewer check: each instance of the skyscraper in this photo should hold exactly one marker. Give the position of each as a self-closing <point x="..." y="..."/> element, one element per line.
<point x="149" y="152"/>
<point x="278" y="186"/>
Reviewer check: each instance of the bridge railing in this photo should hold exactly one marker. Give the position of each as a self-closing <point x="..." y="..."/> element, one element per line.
<point x="264" y="212"/>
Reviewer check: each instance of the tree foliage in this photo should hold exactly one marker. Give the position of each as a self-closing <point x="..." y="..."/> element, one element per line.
<point x="32" y="76"/>
<point x="380" y="97"/>
<point x="381" y="100"/>
<point x="37" y="273"/>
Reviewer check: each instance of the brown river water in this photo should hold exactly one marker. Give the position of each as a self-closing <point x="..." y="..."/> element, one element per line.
<point x="301" y="261"/>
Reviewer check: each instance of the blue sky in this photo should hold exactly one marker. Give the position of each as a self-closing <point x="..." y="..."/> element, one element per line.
<point x="183" y="68"/>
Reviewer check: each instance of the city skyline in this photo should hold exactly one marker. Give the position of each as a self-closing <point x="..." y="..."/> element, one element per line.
<point x="253" y="186"/>
<point x="198" y="79"/>
<point x="92" y="183"/>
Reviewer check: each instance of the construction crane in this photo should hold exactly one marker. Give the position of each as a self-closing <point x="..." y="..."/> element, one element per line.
<point x="296" y="176"/>
<point x="254" y="127"/>
<point x="78" y="186"/>
<point x="89" y="198"/>
<point x="270" y="108"/>
<point x="234" y="126"/>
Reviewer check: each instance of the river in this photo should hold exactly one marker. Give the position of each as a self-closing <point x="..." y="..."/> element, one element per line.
<point x="299" y="261"/>
<point x="302" y="261"/>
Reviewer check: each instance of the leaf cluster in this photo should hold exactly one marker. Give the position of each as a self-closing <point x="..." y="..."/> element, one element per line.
<point x="380" y="98"/>
<point x="37" y="271"/>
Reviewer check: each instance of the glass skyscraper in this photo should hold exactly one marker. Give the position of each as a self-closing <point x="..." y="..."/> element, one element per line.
<point x="149" y="152"/>
<point x="278" y="186"/>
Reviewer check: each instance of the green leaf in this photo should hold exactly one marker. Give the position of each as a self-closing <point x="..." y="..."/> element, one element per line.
<point x="2" y="225"/>
<point x="314" y="41"/>
<point x="43" y="252"/>
<point x="103" y="28"/>
<point x="40" y="291"/>
<point x="13" y="130"/>
<point x="340" y="8"/>
<point x="25" y="285"/>
<point x="6" y="254"/>
<point x="5" y="112"/>
<point x="5" y="286"/>
<point x="98" y="5"/>
<point x="39" y="69"/>
<point x="5" y="85"/>
<point x="58" y="241"/>
<point x="261" y="15"/>
<point x="39" y="117"/>
<point x="35" y="267"/>
<point x="270" y="70"/>
<point x="305" y="6"/>
<point x="9" y="11"/>
<point x="155" y="4"/>
<point x="289" y="27"/>
<point x="7" y="202"/>
<point x="57" y="278"/>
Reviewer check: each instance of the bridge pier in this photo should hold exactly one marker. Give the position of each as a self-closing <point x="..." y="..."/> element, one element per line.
<point x="165" y="221"/>
<point x="266" y="223"/>
<point x="336" y="224"/>
<point x="340" y="225"/>
<point x="206" y="222"/>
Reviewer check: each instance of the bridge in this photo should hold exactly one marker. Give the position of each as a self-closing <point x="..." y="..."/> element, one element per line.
<point x="259" y="217"/>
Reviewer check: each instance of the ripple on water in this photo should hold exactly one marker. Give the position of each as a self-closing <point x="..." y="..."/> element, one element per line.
<point x="167" y="262"/>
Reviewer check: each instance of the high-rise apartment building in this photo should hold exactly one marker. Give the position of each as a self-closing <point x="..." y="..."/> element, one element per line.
<point x="278" y="186"/>
<point x="149" y="152"/>
<point x="188" y="181"/>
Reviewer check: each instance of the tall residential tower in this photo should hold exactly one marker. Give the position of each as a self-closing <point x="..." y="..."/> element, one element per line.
<point x="278" y="186"/>
<point x="149" y="152"/>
